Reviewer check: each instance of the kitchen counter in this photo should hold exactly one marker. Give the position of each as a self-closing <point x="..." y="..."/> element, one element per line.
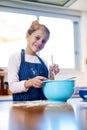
<point x="43" y="115"/>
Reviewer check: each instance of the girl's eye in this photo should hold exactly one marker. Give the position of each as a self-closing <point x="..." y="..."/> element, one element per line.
<point x="37" y="38"/>
<point x="43" y="41"/>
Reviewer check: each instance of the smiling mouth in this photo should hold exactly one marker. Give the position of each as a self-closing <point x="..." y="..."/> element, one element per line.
<point x="38" y="47"/>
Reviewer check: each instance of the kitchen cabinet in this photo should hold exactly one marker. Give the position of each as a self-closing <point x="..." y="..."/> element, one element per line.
<point x="3" y="86"/>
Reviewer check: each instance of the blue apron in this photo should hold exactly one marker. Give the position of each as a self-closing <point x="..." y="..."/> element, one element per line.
<point x="27" y="71"/>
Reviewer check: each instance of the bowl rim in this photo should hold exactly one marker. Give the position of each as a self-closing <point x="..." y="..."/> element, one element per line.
<point x="82" y="90"/>
<point x="68" y="80"/>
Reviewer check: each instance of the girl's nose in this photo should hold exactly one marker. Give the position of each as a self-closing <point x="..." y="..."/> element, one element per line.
<point x="40" y="42"/>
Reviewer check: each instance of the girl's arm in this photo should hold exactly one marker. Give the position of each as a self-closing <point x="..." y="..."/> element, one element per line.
<point x="15" y="85"/>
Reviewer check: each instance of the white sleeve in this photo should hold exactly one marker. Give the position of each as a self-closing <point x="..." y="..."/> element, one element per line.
<point x="15" y="85"/>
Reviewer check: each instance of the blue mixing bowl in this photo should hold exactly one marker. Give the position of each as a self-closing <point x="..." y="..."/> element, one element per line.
<point x="83" y="94"/>
<point x="58" y="90"/>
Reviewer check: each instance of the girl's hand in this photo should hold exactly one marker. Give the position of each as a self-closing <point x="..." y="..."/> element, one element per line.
<point x="54" y="68"/>
<point x="36" y="82"/>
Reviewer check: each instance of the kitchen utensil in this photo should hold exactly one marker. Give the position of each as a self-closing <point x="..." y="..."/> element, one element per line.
<point x="70" y="78"/>
<point x="52" y="73"/>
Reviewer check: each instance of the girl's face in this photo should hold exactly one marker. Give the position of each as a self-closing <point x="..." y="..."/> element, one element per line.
<point x="36" y="41"/>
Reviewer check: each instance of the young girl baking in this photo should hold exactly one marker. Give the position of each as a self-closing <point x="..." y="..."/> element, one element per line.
<point x="26" y="70"/>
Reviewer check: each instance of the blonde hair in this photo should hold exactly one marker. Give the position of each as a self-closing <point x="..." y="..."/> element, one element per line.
<point x="36" y="26"/>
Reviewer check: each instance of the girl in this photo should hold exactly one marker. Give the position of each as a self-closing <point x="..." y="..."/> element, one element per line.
<point x="26" y="70"/>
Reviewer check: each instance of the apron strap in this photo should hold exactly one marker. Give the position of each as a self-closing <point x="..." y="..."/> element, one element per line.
<point x="22" y="55"/>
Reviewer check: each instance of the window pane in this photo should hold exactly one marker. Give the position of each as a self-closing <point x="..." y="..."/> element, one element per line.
<point x="13" y="28"/>
<point x="61" y="42"/>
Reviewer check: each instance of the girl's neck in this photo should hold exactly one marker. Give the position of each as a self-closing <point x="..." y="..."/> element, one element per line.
<point x="27" y="51"/>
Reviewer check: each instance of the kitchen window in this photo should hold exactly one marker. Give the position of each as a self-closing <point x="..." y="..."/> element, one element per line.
<point x="13" y="27"/>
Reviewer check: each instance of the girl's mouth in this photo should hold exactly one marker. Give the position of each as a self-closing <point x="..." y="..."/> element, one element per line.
<point x="38" y="47"/>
